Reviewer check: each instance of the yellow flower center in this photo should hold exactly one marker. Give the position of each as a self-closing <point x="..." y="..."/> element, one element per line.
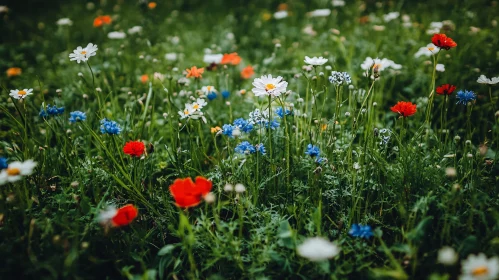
<point x="196" y="106"/>
<point x="186" y="112"/>
<point x="480" y="271"/>
<point x="13" y="171"/>
<point x="269" y="87"/>
<point x="208" y="88"/>
<point x="431" y="48"/>
<point x="376" y="66"/>
<point x="22" y="92"/>
<point x="83" y="52"/>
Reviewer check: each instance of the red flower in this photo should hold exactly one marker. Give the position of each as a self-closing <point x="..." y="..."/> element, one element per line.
<point x="443" y="42"/>
<point x="187" y="193"/>
<point x="404" y="109"/>
<point x="101" y="20"/>
<point x="124" y="215"/>
<point x="446" y="89"/>
<point x="134" y="148"/>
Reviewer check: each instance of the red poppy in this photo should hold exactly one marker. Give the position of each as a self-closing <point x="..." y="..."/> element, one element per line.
<point x="124" y="215"/>
<point x="443" y="42"/>
<point x="446" y="89"/>
<point x="404" y="109"/>
<point x="189" y="194"/>
<point x="134" y="148"/>
<point x="101" y="20"/>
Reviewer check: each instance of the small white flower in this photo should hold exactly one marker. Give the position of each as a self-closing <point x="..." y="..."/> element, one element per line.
<point x="391" y="16"/>
<point x="316" y="61"/>
<point x="16" y="170"/>
<point x="240" y="188"/>
<point x="318" y="249"/>
<point x="309" y="30"/>
<point x="116" y="35"/>
<point x="105" y="216"/>
<point x="379" y="27"/>
<point x="266" y="85"/>
<point x="208" y="89"/>
<point x="281" y="14"/>
<point x="199" y="104"/>
<point x="171" y="56"/>
<point x="210" y="198"/>
<point x="440" y="67"/>
<point x="83" y="54"/>
<point x="429" y="50"/>
<point x="484" y="80"/>
<point x="213" y="58"/>
<point x="434" y="28"/>
<point x="64" y="21"/>
<point x="338" y="3"/>
<point x="447" y="256"/>
<point x="380" y="64"/>
<point x="320" y="13"/>
<point x="478" y="267"/>
<point x="134" y="30"/>
<point x="190" y="112"/>
<point x="356" y="166"/>
<point x="4" y="9"/>
<point x="228" y="188"/>
<point x="20" y="94"/>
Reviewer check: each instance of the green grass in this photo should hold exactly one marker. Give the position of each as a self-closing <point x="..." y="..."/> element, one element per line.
<point x="48" y="226"/>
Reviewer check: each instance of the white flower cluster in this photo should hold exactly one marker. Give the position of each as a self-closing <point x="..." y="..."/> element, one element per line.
<point x="193" y="110"/>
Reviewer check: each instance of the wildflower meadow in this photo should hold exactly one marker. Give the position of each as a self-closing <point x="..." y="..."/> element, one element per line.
<point x="262" y="139"/>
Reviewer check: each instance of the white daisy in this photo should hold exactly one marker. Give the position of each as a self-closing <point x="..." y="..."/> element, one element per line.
<point x="391" y="16"/>
<point x="318" y="249"/>
<point x="429" y="50"/>
<point x="478" y="267"/>
<point x="105" y="216"/>
<point x="208" y="89"/>
<point x="199" y="104"/>
<point x="316" y="61"/>
<point x="212" y="58"/>
<point x="380" y="64"/>
<point x="20" y="94"/>
<point x="320" y="13"/>
<point x="83" y="54"/>
<point x="116" y="35"/>
<point x="281" y="14"/>
<point x="190" y="112"/>
<point x="171" y="56"/>
<point x="266" y="85"/>
<point x="484" y="80"/>
<point x="447" y="256"/>
<point x="134" y="30"/>
<point x="16" y="170"/>
<point x="64" y="21"/>
<point x="338" y="3"/>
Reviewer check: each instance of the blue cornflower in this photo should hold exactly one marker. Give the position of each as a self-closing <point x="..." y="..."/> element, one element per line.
<point x="280" y="112"/>
<point x="312" y="151"/>
<point x="245" y="148"/>
<point x="359" y="230"/>
<point x="243" y="125"/>
<point x="273" y="124"/>
<point x="465" y="96"/>
<point x="225" y="93"/>
<point x="227" y="129"/>
<point x="212" y="95"/>
<point x="76" y="116"/>
<point x="51" y="111"/>
<point x="319" y="160"/>
<point x="3" y="163"/>
<point x="109" y="127"/>
<point x="260" y="148"/>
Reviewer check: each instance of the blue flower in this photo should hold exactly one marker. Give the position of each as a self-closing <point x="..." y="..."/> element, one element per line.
<point x="260" y="148"/>
<point x="51" y="111"/>
<point x="212" y="95"/>
<point x="279" y="111"/>
<point x="227" y="130"/>
<point x="273" y="124"/>
<point x="358" y="230"/>
<point x="225" y="94"/>
<point x="245" y="148"/>
<point x="319" y="159"/>
<point x="465" y="97"/>
<point x="3" y="163"/>
<point x="76" y="116"/>
<point x="312" y="151"/>
<point x="243" y="125"/>
<point x="109" y="127"/>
